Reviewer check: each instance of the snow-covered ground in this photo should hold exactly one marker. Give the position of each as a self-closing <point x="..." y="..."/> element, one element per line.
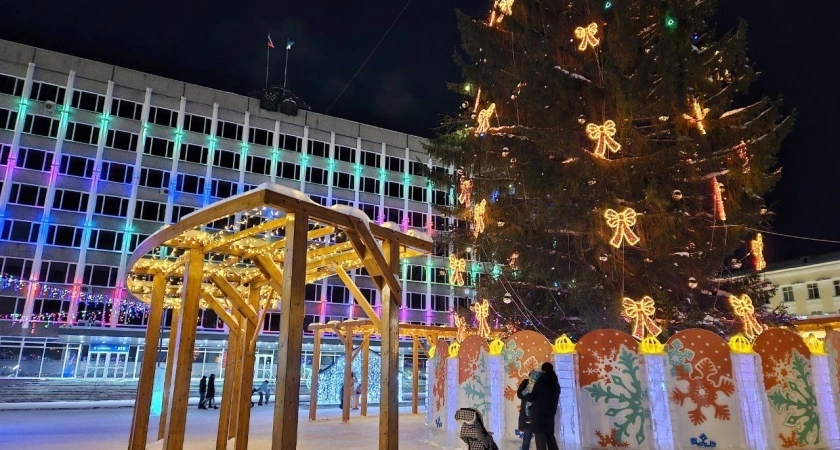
<point x="107" y="429"/>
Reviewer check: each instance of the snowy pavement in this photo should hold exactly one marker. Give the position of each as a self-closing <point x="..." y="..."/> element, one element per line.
<point x="108" y="429"/>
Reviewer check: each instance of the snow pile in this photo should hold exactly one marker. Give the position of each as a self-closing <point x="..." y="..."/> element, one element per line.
<point x="393" y="226"/>
<point x="353" y="212"/>
<point x="572" y="74"/>
<point x="287" y="191"/>
<point x="731" y="112"/>
<point x="422" y="235"/>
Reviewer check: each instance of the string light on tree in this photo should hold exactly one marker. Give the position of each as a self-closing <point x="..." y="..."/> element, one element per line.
<point x="621" y="223"/>
<point x="587" y="36"/>
<point x="745" y="158"/>
<point x="458" y="266"/>
<point x="743" y="308"/>
<point x="478" y="215"/>
<point x="603" y="137"/>
<point x="483" y="119"/>
<point x="501" y="8"/>
<point x="465" y="192"/>
<point x="482" y="312"/>
<point x="717" y="194"/>
<point x="699" y="114"/>
<point x="641" y="313"/>
<point x="461" y="325"/>
<point x="757" y="250"/>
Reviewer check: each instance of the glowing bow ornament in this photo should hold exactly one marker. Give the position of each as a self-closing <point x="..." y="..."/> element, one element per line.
<point x="603" y="136"/>
<point x="757" y="250"/>
<point x="458" y="267"/>
<point x="483" y="119"/>
<point x="743" y="308"/>
<point x="465" y="192"/>
<point x="482" y="311"/>
<point x="478" y="215"/>
<point x="699" y="114"/>
<point x="461" y="324"/>
<point x="621" y="223"/>
<point x="503" y="7"/>
<point x="587" y="36"/>
<point x="641" y="312"/>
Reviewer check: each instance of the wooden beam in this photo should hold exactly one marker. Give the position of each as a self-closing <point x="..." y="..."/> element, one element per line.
<point x="415" y="374"/>
<point x="287" y="400"/>
<point x="247" y="378"/>
<point x="220" y="311"/>
<point x="357" y="294"/>
<point x="375" y="262"/>
<point x="168" y="371"/>
<point x="180" y="390"/>
<point x="316" y="367"/>
<point x="248" y="232"/>
<point x="365" y="362"/>
<point x="235" y="299"/>
<point x="228" y="408"/>
<point x="146" y="383"/>
<point x="349" y="390"/>
<point x="389" y="403"/>
<point x="270" y="270"/>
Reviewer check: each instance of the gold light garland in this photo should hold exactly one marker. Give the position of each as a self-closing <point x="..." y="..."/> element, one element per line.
<point x="587" y="36"/>
<point x="621" y="223"/>
<point x="641" y="313"/>
<point x="717" y="194"/>
<point x="461" y="324"/>
<point x="743" y="308"/>
<point x="757" y="250"/>
<point x="603" y="136"/>
<point x="501" y="8"/>
<point x="482" y="311"/>
<point x="465" y="192"/>
<point x="478" y="215"/>
<point x="483" y="119"/>
<point x="699" y="114"/>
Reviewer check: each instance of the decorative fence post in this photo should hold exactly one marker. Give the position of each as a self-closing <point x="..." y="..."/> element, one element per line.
<point x="565" y="364"/>
<point x="746" y="368"/>
<point x="496" y="375"/>
<point x="654" y="359"/>
<point x="825" y="389"/>
<point x="451" y="425"/>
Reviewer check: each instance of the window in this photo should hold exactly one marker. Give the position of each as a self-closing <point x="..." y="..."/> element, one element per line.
<point x="11" y="85"/>
<point x="393" y="215"/>
<point x="82" y="132"/>
<point x="159" y="147"/>
<point x="259" y="136"/>
<point x="20" y="231"/>
<point x="196" y="123"/>
<point x="109" y="205"/>
<point x="417" y="168"/>
<point x="41" y="126"/>
<point x="257" y="164"/>
<point x="291" y="143"/>
<point x="417" y="219"/>
<point x="105" y="276"/>
<point x="226" y="159"/>
<point x="163" y="116"/>
<point x="289" y="171"/>
<point x="88" y="101"/>
<point x="394" y="189"/>
<point x="149" y="210"/>
<point x="416" y="273"/>
<point x="837" y="288"/>
<point x="343" y="180"/>
<point x="346" y="154"/>
<point x="34" y="159"/>
<point x="312" y="293"/>
<point x="318" y="148"/>
<point x="316" y="175"/>
<point x="154" y="178"/>
<point x="319" y="200"/>
<point x="813" y="291"/>
<point x="229" y="130"/>
<point x="64" y="236"/>
<point x="416" y="300"/>
<point x="440" y="303"/>
<point x="222" y="188"/>
<point x="337" y="294"/>
<point x="787" y="294"/>
<point x="370" y="185"/>
<point x="70" y="200"/>
<point x="57" y="272"/>
<point x="194" y="153"/>
<point x="116" y="172"/>
<point x="108" y="240"/>
<point x="179" y="211"/>
<point x="122" y="140"/>
<point x="7" y="119"/>
<point x="191" y="184"/>
<point x="369" y="210"/>
<point x="440" y="198"/>
<point x="417" y="193"/>
<point x="394" y="164"/>
<point x="76" y="166"/>
<point x="371" y="159"/>
<point x="27" y="194"/>
<point x="126" y="109"/>
<point x="44" y="92"/>
<point x="135" y="239"/>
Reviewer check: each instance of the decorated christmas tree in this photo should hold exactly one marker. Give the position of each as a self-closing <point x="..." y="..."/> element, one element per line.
<point x="609" y="166"/>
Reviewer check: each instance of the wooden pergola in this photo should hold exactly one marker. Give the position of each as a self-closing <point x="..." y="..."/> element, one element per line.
<point x="274" y="240"/>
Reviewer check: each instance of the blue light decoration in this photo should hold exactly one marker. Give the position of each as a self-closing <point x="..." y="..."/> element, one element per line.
<point x="331" y="378"/>
<point x="157" y="392"/>
<point x="608" y="5"/>
<point x="670" y="21"/>
<point x="494" y="197"/>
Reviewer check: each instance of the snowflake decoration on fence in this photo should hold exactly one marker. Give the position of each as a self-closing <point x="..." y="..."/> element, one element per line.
<point x="794" y="397"/>
<point x="477" y="388"/>
<point x="679" y="357"/>
<point x="704" y="384"/>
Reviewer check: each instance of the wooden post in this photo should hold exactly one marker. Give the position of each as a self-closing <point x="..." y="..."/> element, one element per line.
<point x="316" y="366"/>
<point x="249" y="344"/>
<point x="231" y="373"/>
<point x="349" y="389"/>
<point x="365" y="362"/>
<point x="415" y="374"/>
<point x="146" y="384"/>
<point x="170" y="367"/>
<point x="287" y="400"/>
<point x="389" y="403"/>
<point x="185" y="345"/>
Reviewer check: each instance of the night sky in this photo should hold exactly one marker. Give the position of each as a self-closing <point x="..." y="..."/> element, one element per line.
<point x="222" y="44"/>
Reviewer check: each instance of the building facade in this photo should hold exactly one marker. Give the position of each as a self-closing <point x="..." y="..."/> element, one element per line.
<point x="94" y="158"/>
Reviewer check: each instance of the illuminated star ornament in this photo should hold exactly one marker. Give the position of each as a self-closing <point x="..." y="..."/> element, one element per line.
<point x="458" y="267"/>
<point x="482" y="311"/>
<point x="478" y="215"/>
<point x="641" y="313"/>
<point x="720" y="212"/>
<point x="587" y="36"/>
<point x="501" y="8"/>
<point x="743" y="308"/>
<point x="603" y="137"/>
<point x="461" y="324"/>
<point x="621" y="223"/>
<point x="483" y="119"/>
<point x="465" y="192"/>
<point x="699" y="114"/>
<point x="757" y="250"/>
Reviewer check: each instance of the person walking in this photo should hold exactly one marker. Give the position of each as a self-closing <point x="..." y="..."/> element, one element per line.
<point x="544" y="398"/>
<point x="202" y="392"/>
<point x="356" y="396"/>
<point x="525" y="388"/>
<point x="211" y="392"/>
<point x="263" y="391"/>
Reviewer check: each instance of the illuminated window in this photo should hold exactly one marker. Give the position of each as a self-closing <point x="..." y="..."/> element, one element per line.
<point x="813" y="291"/>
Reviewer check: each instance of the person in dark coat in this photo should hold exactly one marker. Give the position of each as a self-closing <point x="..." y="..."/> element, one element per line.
<point x="211" y="392"/>
<point x="524" y="420"/>
<point x="202" y="391"/>
<point x="545" y="396"/>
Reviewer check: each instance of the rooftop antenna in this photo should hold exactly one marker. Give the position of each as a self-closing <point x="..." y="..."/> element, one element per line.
<point x="289" y="44"/>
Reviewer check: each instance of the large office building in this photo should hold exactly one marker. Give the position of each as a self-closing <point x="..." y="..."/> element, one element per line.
<point x="94" y="158"/>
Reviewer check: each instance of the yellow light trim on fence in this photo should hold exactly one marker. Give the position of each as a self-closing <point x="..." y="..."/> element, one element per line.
<point x="496" y="347"/>
<point x="814" y="344"/>
<point x="454" y="348"/>
<point x="651" y="346"/>
<point x="563" y="345"/>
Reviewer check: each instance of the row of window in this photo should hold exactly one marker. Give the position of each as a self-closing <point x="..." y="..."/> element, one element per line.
<point x="813" y="291"/>
<point x="60" y="272"/>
